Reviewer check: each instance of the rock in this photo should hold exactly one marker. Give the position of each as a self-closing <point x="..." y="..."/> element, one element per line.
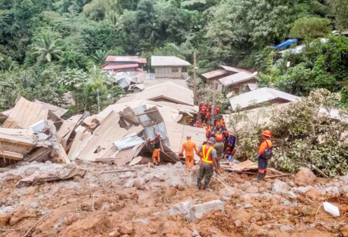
<point x="238" y="223"/>
<point x="285" y="228"/>
<point x="129" y="193"/>
<point x="21" y="213"/>
<point x="344" y="189"/>
<point x="127" y="229"/>
<point x="345" y="231"/>
<point x="129" y="183"/>
<point x="302" y="190"/>
<point x="230" y="192"/>
<point x="252" y="189"/>
<point x="178" y="165"/>
<point x="195" y="233"/>
<point x="180" y="187"/>
<point x="247" y="206"/>
<point x="149" y="177"/>
<point x="333" y="190"/>
<point x="305" y="177"/>
<point x="291" y="194"/>
<point x="176" y="181"/>
<point x="4" y="219"/>
<point x="181" y="208"/>
<point x="171" y="191"/>
<point x="197" y="211"/>
<point x="139" y="183"/>
<point x="313" y="194"/>
<point x="280" y="187"/>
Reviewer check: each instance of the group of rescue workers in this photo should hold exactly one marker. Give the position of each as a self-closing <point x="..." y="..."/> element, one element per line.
<point x="219" y="145"/>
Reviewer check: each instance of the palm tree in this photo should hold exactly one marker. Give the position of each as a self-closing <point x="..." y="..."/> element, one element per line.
<point x="47" y="49"/>
<point x="99" y="56"/>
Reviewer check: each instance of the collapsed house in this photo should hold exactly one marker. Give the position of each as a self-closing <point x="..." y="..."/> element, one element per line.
<point x="28" y="132"/>
<point x="122" y="132"/>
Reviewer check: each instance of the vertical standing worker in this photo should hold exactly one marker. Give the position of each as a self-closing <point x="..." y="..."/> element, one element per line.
<point x="189" y="146"/>
<point x="263" y="162"/>
<point x="219" y="147"/>
<point x="156" y="149"/>
<point x="208" y="163"/>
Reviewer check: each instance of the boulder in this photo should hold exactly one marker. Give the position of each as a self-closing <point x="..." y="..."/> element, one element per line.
<point x="181" y="208"/>
<point x="252" y="189"/>
<point x="285" y="228"/>
<point x="4" y="219"/>
<point x="129" y="183"/>
<point x="247" y="206"/>
<point x="197" y="211"/>
<point x="305" y="177"/>
<point x="139" y="183"/>
<point x="302" y="190"/>
<point x="280" y="187"/>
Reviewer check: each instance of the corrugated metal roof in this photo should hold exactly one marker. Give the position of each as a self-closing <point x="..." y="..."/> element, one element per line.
<point x="128" y="142"/>
<point x="237" y="78"/>
<point x="161" y="61"/>
<point x="233" y="69"/>
<point x="24" y="114"/>
<point x="134" y="59"/>
<point x="55" y="109"/>
<point x="168" y="91"/>
<point x="259" y="96"/>
<point x="252" y="86"/>
<point x="216" y="73"/>
<point x="116" y="67"/>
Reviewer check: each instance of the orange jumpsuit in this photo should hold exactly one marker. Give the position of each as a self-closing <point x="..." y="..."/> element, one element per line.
<point x="189" y="146"/>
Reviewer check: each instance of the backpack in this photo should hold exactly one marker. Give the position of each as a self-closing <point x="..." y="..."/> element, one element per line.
<point x="268" y="152"/>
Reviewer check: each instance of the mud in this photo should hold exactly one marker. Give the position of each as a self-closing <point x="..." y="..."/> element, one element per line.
<point x="100" y="204"/>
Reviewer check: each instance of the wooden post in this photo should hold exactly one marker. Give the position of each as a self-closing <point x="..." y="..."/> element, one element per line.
<point x="213" y="107"/>
<point x="194" y="79"/>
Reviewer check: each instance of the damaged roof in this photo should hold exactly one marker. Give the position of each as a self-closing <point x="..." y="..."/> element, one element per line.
<point x="216" y="73"/>
<point x="238" y="78"/>
<point x="260" y="96"/>
<point x="25" y="113"/>
<point x="168" y="91"/>
<point x="134" y="59"/>
<point x="55" y="109"/>
<point x="162" y="61"/>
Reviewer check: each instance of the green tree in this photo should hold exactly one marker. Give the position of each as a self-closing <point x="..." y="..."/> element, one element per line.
<point x="312" y="27"/>
<point x="47" y="50"/>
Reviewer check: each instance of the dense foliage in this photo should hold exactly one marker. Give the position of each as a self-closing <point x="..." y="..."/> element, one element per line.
<point x="309" y="132"/>
<point x="45" y="39"/>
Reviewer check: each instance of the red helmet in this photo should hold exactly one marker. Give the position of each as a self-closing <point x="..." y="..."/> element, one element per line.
<point x="266" y="133"/>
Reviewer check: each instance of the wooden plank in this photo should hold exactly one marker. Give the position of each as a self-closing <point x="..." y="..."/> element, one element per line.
<point x="243" y="165"/>
<point x="40" y="154"/>
<point x="62" y="155"/>
<point x="11" y="155"/>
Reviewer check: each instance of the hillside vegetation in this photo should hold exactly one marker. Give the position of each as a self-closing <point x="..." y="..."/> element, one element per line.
<point x="48" y="47"/>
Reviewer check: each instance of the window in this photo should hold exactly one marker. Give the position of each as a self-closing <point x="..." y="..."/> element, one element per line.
<point x="184" y="69"/>
<point x="175" y="69"/>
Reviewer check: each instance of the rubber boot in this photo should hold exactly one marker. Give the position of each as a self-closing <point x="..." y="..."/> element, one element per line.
<point x="260" y="177"/>
<point x="198" y="183"/>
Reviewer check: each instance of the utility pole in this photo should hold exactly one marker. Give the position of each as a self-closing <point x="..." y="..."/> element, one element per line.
<point x="194" y="79"/>
<point x="213" y="107"/>
<point x="98" y="100"/>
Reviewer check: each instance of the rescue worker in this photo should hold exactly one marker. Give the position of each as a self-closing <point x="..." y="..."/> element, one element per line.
<point x="202" y="113"/>
<point x="189" y="146"/>
<point x="197" y="124"/>
<point x="223" y="124"/>
<point x="262" y="162"/>
<point x="219" y="147"/>
<point x="156" y="149"/>
<point x="216" y="110"/>
<point x="207" y="116"/>
<point x="208" y="163"/>
<point x="204" y="125"/>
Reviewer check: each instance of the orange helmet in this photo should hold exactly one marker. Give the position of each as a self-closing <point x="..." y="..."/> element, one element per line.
<point x="266" y="133"/>
<point x="219" y="137"/>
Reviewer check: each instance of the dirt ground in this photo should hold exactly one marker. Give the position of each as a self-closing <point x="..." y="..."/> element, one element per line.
<point x="137" y="203"/>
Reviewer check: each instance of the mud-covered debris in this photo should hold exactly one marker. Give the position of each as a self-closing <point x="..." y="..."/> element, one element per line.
<point x="197" y="211"/>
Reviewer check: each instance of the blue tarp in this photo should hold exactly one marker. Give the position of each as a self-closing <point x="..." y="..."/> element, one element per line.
<point x="285" y="43"/>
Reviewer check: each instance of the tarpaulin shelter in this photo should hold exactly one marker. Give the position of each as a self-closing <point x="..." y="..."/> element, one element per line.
<point x="285" y="43"/>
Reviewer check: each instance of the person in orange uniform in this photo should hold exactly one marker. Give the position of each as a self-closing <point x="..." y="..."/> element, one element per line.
<point x="189" y="146"/>
<point x="157" y="149"/>
<point x="196" y="124"/>
<point x="262" y="162"/>
<point x="208" y="163"/>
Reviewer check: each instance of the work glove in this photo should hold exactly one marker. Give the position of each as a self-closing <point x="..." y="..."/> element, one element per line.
<point x="257" y="157"/>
